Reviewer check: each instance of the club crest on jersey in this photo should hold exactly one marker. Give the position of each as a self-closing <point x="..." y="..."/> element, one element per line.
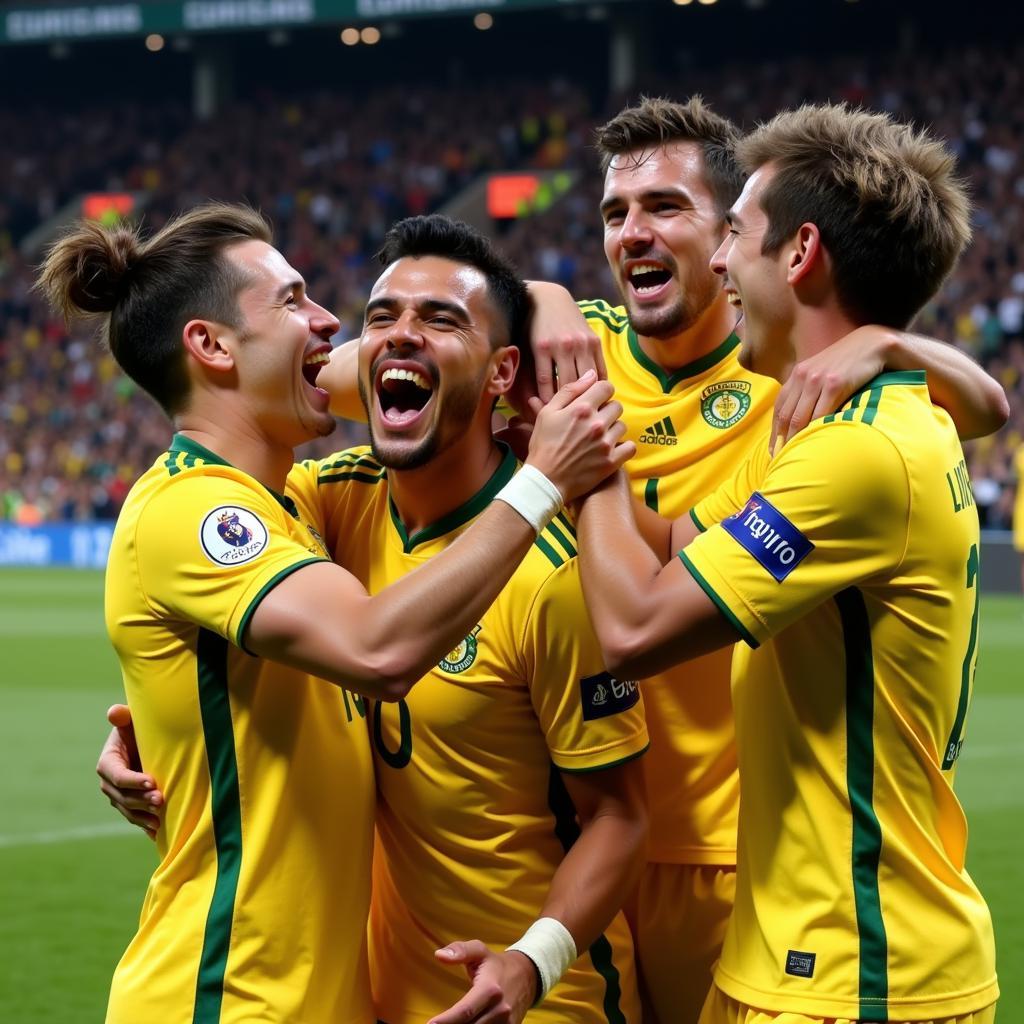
<point x="231" y="535"/>
<point x="725" y="403"/>
<point x="769" y="536"/>
<point x="603" y="695"/>
<point x="461" y="657"/>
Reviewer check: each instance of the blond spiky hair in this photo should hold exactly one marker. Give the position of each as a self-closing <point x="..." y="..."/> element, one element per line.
<point x="885" y="197"/>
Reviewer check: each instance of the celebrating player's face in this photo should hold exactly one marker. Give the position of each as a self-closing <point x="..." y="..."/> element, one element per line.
<point x="660" y="228"/>
<point x="282" y="344"/>
<point x="756" y="284"/>
<point x="424" y="358"/>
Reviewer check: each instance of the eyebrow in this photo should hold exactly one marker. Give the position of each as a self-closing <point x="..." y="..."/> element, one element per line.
<point x="660" y="193"/>
<point x="422" y="306"/>
<point x="297" y="285"/>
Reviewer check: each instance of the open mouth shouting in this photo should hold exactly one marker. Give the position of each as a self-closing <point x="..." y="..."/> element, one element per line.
<point x="647" y="279"/>
<point x="404" y="389"/>
<point x="315" y="360"/>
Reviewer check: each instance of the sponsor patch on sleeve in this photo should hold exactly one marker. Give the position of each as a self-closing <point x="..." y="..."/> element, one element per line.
<point x="800" y="965"/>
<point x="231" y="535"/>
<point x="769" y="536"/>
<point x="603" y="695"/>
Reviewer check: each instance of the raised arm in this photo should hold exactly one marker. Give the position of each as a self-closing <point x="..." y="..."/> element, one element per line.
<point x="820" y="385"/>
<point x="320" y="618"/>
<point x="340" y="379"/>
<point x="647" y="615"/>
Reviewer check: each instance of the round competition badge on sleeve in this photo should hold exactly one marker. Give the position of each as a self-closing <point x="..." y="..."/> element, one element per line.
<point x="231" y="535"/>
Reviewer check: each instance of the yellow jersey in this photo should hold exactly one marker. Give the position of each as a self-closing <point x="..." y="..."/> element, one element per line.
<point x="692" y="429"/>
<point x="851" y="570"/>
<point x="473" y="817"/>
<point x="258" y="906"/>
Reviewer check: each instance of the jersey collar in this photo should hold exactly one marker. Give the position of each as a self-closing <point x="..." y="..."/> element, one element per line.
<point x="669" y="380"/>
<point x="465" y="512"/>
<point x="193" y="450"/>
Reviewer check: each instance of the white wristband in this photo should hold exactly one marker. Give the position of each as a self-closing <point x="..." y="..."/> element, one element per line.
<point x="533" y="496"/>
<point x="551" y="947"/>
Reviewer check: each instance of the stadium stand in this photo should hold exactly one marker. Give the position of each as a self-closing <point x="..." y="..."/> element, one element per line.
<point x="333" y="171"/>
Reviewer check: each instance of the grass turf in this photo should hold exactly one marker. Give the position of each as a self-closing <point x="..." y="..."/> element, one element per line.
<point x="72" y="875"/>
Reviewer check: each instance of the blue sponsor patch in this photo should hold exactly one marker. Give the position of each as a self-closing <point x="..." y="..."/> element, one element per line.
<point x="603" y="695"/>
<point x="800" y="965"/>
<point x="769" y="536"/>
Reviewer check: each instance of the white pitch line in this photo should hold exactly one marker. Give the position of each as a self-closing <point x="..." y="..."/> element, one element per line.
<point x="64" y="835"/>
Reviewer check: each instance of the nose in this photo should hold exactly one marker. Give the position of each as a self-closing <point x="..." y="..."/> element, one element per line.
<point x="718" y="260"/>
<point x="636" y="229"/>
<point x="405" y="331"/>
<point x="323" y="322"/>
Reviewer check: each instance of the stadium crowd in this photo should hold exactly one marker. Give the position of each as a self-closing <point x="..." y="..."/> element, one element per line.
<point x="338" y="169"/>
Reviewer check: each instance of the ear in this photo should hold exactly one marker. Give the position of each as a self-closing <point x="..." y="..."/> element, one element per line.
<point x="806" y="254"/>
<point x="504" y="365"/>
<point x="207" y="343"/>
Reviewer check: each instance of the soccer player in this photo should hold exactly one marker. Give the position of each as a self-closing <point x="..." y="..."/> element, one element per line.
<point x="231" y="623"/>
<point x="508" y="779"/>
<point x="695" y="412"/>
<point x="849" y="568"/>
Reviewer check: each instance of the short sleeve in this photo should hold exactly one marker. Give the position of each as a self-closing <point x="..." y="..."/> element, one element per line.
<point x="831" y="512"/>
<point x="340" y="484"/>
<point x="590" y="720"/>
<point x="731" y="494"/>
<point x="209" y="548"/>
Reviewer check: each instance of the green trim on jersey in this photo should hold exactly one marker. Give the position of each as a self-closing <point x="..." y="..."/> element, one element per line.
<point x="567" y="831"/>
<point x="218" y="734"/>
<point x="867" y="832"/>
<point x="722" y="606"/>
<point x="563" y="541"/>
<point x="194" y="450"/>
<point x="598" y="309"/>
<point x="670" y="380"/>
<point x="243" y="624"/>
<point x="610" y="764"/>
<point x="364" y="469"/>
<point x="696" y="522"/>
<point x="651" y="494"/>
<point x="464" y="513"/>
<point x="874" y="386"/>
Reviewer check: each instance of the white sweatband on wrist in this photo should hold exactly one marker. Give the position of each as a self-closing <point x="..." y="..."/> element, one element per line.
<point x="533" y="496"/>
<point x="551" y="947"/>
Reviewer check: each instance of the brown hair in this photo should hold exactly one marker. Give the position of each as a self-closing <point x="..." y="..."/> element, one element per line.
<point x="656" y="121"/>
<point x="885" y="197"/>
<point x="144" y="291"/>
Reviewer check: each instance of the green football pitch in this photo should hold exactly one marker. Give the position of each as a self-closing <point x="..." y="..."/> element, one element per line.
<point x="72" y="874"/>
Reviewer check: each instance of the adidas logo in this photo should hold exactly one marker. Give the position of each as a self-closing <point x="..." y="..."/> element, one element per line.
<point x="661" y="432"/>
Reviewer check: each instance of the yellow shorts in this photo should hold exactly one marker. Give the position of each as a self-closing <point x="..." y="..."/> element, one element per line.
<point x="678" y="917"/>
<point x="720" y="1009"/>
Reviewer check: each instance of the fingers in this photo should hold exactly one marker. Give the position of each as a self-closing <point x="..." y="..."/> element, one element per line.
<point x="622" y="453"/>
<point x="134" y="814"/>
<point x="119" y="715"/>
<point x="574" y="389"/>
<point x="461" y="952"/>
<point x="544" y="372"/>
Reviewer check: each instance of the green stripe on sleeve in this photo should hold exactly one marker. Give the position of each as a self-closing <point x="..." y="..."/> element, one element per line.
<point x="867" y="832"/>
<point x="218" y="735"/>
<point x="604" y="767"/>
<point x="651" y="494"/>
<point x="563" y="542"/>
<point x="696" y="522"/>
<point x="243" y="625"/>
<point x="722" y="606"/>
<point x="872" y="407"/>
<point x="552" y="555"/>
<point x="363" y="478"/>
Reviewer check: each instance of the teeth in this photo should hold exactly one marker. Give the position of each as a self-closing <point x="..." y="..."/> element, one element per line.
<point x="317" y="359"/>
<point x="410" y="375"/>
<point x="636" y="271"/>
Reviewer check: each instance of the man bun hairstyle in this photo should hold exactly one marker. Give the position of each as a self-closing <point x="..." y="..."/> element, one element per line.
<point x="656" y="121"/>
<point x="437" y="235"/>
<point x="885" y="197"/>
<point x="142" y="291"/>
